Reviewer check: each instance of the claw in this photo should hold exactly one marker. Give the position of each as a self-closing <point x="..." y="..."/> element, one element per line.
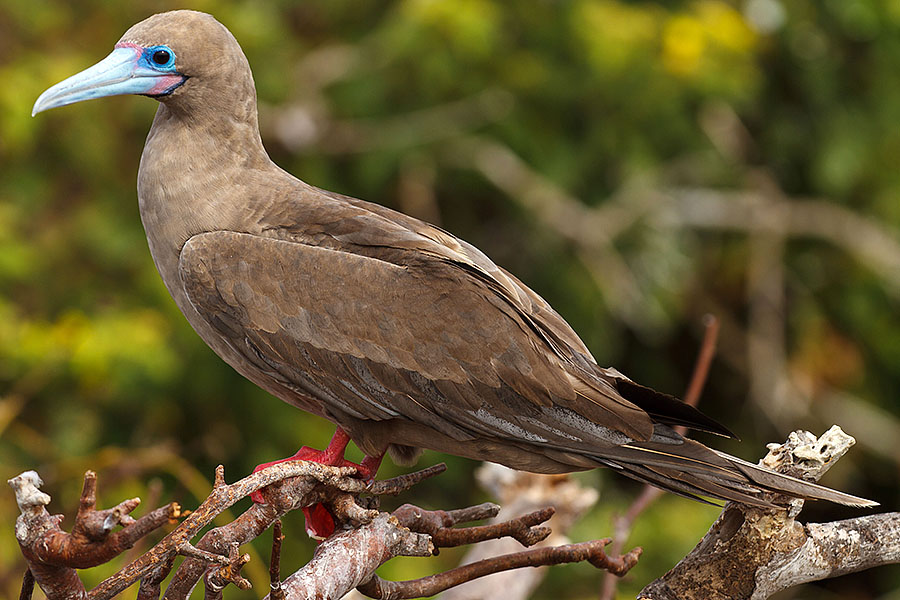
<point x="319" y="522"/>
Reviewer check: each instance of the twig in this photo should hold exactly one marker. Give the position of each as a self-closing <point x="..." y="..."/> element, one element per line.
<point x="485" y="510"/>
<point x="704" y="361"/>
<point x="283" y="497"/>
<point x="277" y="592"/>
<point x="222" y="497"/>
<point x="53" y="555"/>
<point x="290" y="485"/>
<point x="27" y="586"/>
<point x="521" y="493"/>
<point x="438" y="525"/>
<point x="217" y="578"/>
<point x="401" y="483"/>
<point x="345" y="509"/>
<point x="348" y="559"/>
<point x="428" y="586"/>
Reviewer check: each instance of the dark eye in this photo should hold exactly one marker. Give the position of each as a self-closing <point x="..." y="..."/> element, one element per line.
<point x="161" y="57"/>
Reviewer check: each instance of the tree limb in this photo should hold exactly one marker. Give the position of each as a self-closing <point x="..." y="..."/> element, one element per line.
<point x="53" y="555"/>
<point x="751" y="553"/>
<point x="366" y="538"/>
<point x="591" y="552"/>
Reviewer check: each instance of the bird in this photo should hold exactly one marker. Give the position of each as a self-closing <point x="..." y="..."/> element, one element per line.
<point x="400" y="333"/>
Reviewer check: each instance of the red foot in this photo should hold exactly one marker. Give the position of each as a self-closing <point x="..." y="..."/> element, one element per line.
<point x="319" y="522"/>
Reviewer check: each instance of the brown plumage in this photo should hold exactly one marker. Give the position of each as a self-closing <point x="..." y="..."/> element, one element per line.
<point x="397" y="331"/>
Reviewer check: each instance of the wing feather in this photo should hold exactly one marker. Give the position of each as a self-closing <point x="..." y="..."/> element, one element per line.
<point x="372" y="339"/>
<point x="391" y="326"/>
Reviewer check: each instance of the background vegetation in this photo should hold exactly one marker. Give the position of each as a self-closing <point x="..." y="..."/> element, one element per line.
<point x="637" y="163"/>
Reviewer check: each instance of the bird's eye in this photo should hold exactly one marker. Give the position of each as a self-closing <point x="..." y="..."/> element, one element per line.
<point x="162" y="57"/>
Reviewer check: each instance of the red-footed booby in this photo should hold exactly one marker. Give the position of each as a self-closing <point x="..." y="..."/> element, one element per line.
<point x="403" y="335"/>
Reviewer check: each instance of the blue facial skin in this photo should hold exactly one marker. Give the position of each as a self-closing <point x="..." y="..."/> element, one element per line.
<point x="151" y="57"/>
<point x="129" y="69"/>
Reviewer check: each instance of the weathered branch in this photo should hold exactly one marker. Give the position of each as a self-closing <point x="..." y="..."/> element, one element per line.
<point x="521" y="494"/>
<point x="347" y="559"/>
<point x="53" y="555"/>
<point x="277" y="592"/>
<point x="281" y="498"/>
<point x="591" y="552"/>
<point x="438" y="525"/>
<point x="366" y="539"/>
<point x="304" y="475"/>
<point x="217" y="578"/>
<point x="751" y="553"/>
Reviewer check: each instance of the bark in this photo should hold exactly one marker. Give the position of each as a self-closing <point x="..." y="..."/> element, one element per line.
<point x="752" y="553"/>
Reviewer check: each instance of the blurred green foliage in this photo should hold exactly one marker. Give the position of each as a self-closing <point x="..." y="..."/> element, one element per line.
<point x="99" y="370"/>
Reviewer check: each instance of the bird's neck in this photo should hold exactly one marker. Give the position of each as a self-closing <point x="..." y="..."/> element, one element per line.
<point x="199" y="172"/>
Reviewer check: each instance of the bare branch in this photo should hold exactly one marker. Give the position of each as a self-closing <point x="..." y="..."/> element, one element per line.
<point x="217" y="578"/>
<point x="332" y="572"/>
<point x="703" y="364"/>
<point x="438" y="523"/>
<point x="277" y="592"/>
<point x="351" y="557"/>
<point x="282" y="497"/>
<point x="520" y="494"/>
<point x="401" y="483"/>
<point x="833" y="549"/>
<point x="299" y="487"/>
<point x="751" y="553"/>
<point x="591" y="552"/>
<point x="53" y="555"/>
<point x="767" y="545"/>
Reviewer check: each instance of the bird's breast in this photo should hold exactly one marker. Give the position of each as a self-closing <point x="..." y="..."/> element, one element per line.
<point x="185" y="188"/>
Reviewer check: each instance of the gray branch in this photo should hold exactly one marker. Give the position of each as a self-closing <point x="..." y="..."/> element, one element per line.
<point x="752" y="553"/>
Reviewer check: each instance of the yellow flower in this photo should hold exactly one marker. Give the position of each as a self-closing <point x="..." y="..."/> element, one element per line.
<point x="684" y="41"/>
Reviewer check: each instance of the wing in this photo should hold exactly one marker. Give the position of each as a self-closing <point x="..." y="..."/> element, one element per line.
<point x="433" y="341"/>
<point x="350" y="225"/>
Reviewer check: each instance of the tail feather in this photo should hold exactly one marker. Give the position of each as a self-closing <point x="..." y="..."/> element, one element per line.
<point x="692" y="470"/>
<point x="695" y="488"/>
<point x="792" y="486"/>
<point x="667" y="409"/>
<point x="665" y="483"/>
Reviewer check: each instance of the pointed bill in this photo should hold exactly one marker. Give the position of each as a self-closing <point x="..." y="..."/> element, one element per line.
<point x="122" y="72"/>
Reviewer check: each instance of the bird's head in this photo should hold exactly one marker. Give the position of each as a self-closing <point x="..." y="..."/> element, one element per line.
<point x="179" y="58"/>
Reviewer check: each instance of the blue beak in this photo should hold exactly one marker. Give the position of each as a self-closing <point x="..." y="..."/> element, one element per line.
<point x="124" y="71"/>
